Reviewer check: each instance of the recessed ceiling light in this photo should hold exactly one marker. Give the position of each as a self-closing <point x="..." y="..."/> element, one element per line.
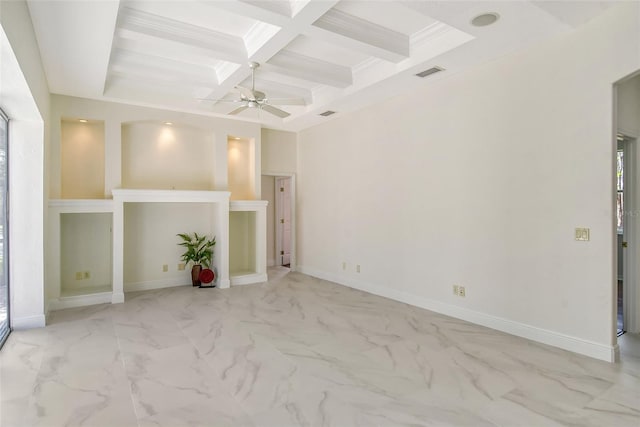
<point x="485" y="19"/>
<point x="83" y="120"/>
<point x="168" y="123"/>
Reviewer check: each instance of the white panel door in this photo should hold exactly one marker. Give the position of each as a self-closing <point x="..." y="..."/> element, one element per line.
<point x="283" y="220"/>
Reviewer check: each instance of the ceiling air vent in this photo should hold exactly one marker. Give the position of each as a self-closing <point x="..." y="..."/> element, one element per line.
<point x="430" y="71"/>
<point x="327" y="113"/>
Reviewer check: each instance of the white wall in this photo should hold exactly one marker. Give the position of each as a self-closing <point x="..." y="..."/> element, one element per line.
<point x="279" y="151"/>
<point x="24" y="96"/>
<point x="480" y="181"/>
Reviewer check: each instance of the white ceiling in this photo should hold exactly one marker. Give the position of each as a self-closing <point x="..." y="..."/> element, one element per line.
<point x="337" y="55"/>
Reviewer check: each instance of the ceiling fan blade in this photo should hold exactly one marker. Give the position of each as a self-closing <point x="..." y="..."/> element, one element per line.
<point x="221" y="100"/>
<point x="238" y="110"/>
<point x="287" y="101"/>
<point x="275" y="111"/>
<point x="248" y="93"/>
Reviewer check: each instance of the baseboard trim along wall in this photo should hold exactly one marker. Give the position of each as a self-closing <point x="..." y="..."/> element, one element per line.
<point x="577" y="345"/>
<point x="28" y="322"/>
<point x="248" y="279"/>
<point x="79" y="301"/>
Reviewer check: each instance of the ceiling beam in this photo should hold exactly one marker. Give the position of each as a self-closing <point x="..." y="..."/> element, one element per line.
<point x="353" y="32"/>
<point x="311" y="69"/>
<point x="199" y="75"/>
<point x="223" y="46"/>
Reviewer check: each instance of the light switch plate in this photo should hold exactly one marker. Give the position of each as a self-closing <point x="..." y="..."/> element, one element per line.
<point x="582" y="234"/>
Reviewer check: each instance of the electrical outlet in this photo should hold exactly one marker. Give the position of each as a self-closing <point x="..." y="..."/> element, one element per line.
<point x="358" y="268"/>
<point x="456" y="289"/>
<point x="344" y="265"/>
<point x="165" y="268"/>
<point x="86" y="275"/>
<point x="78" y="275"/>
<point x="582" y="234"/>
<point x="461" y="291"/>
<point x="181" y="266"/>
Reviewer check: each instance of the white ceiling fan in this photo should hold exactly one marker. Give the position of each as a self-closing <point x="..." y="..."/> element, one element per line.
<point x="252" y="98"/>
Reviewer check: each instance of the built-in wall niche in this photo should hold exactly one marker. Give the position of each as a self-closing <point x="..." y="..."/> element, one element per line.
<point x="165" y="156"/>
<point x="82" y="159"/>
<point x="85" y="253"/>
<point x="241" y="168"/>
<point x="242" y="243"/>
<point x="151" y="242"/>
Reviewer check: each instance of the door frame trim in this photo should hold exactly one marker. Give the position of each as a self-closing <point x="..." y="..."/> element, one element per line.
<point x="630" y="232"/>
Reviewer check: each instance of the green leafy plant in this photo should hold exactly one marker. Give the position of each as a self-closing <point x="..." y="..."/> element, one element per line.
<point x="199" y="249"/>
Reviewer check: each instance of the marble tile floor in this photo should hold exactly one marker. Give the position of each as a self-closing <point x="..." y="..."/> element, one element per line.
<point x="298" y="351"/>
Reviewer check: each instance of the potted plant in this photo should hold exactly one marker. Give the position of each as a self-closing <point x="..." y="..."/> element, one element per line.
<point x="199" y="252"/>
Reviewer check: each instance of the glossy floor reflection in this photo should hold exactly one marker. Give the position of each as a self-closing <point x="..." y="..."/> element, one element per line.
<point x="297" y="351"/>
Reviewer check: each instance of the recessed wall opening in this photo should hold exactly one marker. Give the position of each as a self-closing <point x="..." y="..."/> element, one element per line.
<point x="241" y="164"/>
<point x="626" y="292"/>
<point x="156" y="155"/>
<point x="242" y="243"/>
<point x="82" y="159"/>
<point x="85" y="253"/>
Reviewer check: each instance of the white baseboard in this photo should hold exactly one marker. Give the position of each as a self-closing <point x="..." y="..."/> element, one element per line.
<point x="80" y="301"/>
<point x="545" y="336"/>
<point x="154" y="284"/>
<point x="28" y="322"/>
<point x="248" y="279"/>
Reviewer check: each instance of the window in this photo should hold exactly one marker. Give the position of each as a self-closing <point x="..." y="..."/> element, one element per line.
<point x="4" y="265"/>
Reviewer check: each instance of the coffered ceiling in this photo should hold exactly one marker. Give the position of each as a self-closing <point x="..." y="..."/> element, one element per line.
<point x="335" y="55"/>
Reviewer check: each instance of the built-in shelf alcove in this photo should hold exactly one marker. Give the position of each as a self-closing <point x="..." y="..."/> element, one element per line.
<point x="85" y="253"/>
<point x="82" y="159"/>
<point x="167" y="156"/>
<point x="80" y="248"/>
<point x="151" y="242"/>
<point x="142" y="221"/>
<point x="248" y="241"/>
<point x="126" y="180"/>
<point x="241" y="168"/>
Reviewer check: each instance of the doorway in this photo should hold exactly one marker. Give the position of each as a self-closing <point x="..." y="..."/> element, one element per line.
<point x="283" y="220"/>
<point x="279" y="189"/>
<point x="625" y="214"/>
